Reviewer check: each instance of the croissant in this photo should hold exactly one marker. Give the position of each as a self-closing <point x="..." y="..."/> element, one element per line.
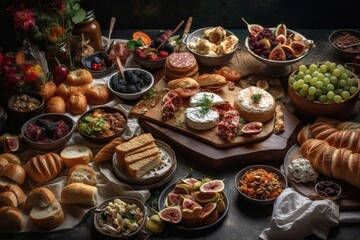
<point x="334" y="162"/>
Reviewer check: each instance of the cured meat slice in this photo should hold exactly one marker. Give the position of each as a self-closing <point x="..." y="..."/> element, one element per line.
<point x="174" y="98"/>
<point x="167" y="111"/>
<point x="181" y="60"/>
<point x="222" y="107"/>
<point x="229" y="125"/>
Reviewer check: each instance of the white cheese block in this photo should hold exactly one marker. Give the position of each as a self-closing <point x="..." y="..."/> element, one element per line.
<point x="195" y="99"/>
<point x="250" y="111"/>
<point x="199" y="121"/>
<point x="300" y="170"/>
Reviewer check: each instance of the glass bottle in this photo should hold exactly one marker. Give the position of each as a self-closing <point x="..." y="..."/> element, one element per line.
<point x="91" y="30"/>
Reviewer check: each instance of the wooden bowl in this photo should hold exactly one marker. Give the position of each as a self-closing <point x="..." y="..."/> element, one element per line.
<point x="23" y="116"/>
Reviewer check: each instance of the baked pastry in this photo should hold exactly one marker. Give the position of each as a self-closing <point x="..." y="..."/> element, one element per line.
<point x="211" y="82"/>
<point x="39" y="197"/>
<point x="279" y="125"/>
<point x="10" y="158"/>
<point x="11" y="195"/>
<point x="180" y="65"/>
<point x="79" y="194"/>
<point x="10" y="167"/>
<point x="82" y="174"/>
<point x="76" y="104"/>
<point x="98" y="95"/>
<point x="79" y="77"/>
<point x="184" y="87"/>
<point x="76" y="154"/>
<point x="11" y="218"/>
<point x="106" y="152"/>
<point x="255" y="104"/>
<point x="55" y="105"/>
<point x="48" y="90"/>
<point x="43" y="168"/>
<point x="64" y="90"/>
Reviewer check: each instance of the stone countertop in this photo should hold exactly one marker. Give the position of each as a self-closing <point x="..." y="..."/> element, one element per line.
<point x="243" y="221"/>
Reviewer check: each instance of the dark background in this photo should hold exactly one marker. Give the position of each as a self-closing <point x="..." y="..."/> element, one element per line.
<point x="166" y="14"/>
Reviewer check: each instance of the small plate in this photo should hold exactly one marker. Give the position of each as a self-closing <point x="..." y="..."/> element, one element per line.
<point x="170" y="188"/>
<point x="156" y="175"/>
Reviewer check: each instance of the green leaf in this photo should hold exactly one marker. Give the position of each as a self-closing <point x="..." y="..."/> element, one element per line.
<point x="79" y="16"/>
<point x="132" y="44"/>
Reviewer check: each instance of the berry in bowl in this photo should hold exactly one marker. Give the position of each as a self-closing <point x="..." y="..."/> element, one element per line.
<point x="277" y="48"/>
<point x="323" y="89"/>
<point x="98" y="64"/>
<point x="137" y="83"/>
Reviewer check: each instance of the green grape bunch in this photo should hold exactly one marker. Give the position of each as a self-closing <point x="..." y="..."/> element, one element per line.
<point x="324" y="82"/>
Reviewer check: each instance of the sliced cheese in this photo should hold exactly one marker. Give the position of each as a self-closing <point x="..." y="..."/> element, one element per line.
<point x="195" y="119"/>
<point x="195" y="99"/>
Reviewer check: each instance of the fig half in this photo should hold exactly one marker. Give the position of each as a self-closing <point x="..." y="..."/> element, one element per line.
<point x="252" y="128"/>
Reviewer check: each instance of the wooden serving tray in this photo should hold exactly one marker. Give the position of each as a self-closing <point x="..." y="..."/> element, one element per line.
<point x="210" y="136"/>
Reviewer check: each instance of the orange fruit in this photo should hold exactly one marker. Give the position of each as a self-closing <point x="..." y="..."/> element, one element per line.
<point x="145" y="39"/>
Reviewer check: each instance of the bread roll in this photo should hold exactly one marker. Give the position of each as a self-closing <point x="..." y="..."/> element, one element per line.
<point x="79" y="194"/>
<point x="43" y="168"/>
<point x="64" y="90"/>
<point x="10" y="158"/>
<point x="11" y="195"/>
<point x="76" y="104"/>
<point x="55" y="105"/>
<point x="211" y="82"/>
<point x="184" y="87"/>
<point x="76" y="154"/>
<point x="79" y="77"/>
<point x="13" y="171"/>
<point x="106" y="153"/>
<point x="48" y="90"/>
<point x="98" y="95"/>
<point x="82" y="174"/>
<point x="48" y="217"/>
<point x="11" y="218"/>
<point x="40" y="197"/>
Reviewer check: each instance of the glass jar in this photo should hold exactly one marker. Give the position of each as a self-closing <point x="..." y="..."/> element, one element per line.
<point x="91" y="30"/>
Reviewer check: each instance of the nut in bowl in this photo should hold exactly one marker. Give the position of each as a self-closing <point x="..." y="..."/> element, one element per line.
<point x="212" y="46"/>
<point x="98" y="64"/>
<point x="102" y="124"/>
<point x="48" y="131"/>
<point x="277" y="48"/>
<point x="323" y="89"/>
<point x="342" y="38"/>
<point x="328" y="190"/>
<point x="260" y="184"/>
<point x="120" y="217"/>
<point x="24" y="106"/>
<point x="136" y="84"/>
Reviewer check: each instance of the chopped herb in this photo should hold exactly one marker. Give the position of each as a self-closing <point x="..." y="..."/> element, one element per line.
<point x="129" y="216"/>
<point x="132" y="44"/>
<point x="205" y="103"/>
<point x="256" y="97"/>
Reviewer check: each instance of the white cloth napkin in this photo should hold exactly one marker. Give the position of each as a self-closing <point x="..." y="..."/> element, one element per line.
<point x="295" y="217"/>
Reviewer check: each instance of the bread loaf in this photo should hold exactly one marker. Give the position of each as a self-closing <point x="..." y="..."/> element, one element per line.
<point x="79" y="194"/>
<point x="348" y="125"/>
<point x="334" y="162"/>
<point x="49" y="217"/>
<point x="98" y="95"/>
<point x="11" y="218"/>
<point x="82" y="174"/>
<point x="349" y="139"/>
<point x="76" y="154"/>
<point x="10" y="158"/>
<point x="106" y="152"/>
<point x="304" y="134"/>
<point x="11" y="195"/>
<point x="64" y="90"/>
<point x="322" y="130"/>
<point x="43" y="168"/>
<point x="40" y="197"/>
<point x="79" y="77"/>
<point x="76" y="103"/>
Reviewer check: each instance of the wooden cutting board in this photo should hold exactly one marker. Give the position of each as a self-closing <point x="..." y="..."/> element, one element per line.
<point x="211" y="137"/>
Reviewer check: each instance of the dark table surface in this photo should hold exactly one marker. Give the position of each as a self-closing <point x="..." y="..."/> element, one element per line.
<point x="243" y="221"/>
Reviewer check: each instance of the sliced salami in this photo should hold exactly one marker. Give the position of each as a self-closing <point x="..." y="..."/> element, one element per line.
<point x="181" y="60"/>
<point x="167" y="111"/>
<point x="229" y="125"/>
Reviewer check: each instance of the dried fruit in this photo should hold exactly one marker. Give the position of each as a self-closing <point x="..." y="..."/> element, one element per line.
<point x="254" y="29"/>
<point x="298" y="48"/>
<point x="213" y="186"/>
<point x="171" y="214"/>
<point x="277" y="54"/>
<point x="281" y="29"/>
<point x="252" y="128"/>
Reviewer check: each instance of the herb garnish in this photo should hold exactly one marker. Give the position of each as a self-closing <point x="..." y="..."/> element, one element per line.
<point x="128" y="215"/>
<point x="205" y="103"/>
<point x="132" y="44"/>
<point x="256" y="97"/>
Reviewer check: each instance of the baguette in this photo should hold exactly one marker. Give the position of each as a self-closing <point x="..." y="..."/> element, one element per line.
<point x="141" y="167"/>
<point x="82" y="174"/>
<point x="76" y="154"/>
<point x="106" y="153"/>
<point x="345" y="139"/>
<point x="348" y="125"/>
<point x="134" y="144"/>
<point x="322" y="130"/>
<point x="79" y="194"/>
<point x="334" y="162"/>
<point x="11" y="195"/>
<point x="48" y="217"/>
<point x="43" y="168"/>
<point x="11" y="218"/>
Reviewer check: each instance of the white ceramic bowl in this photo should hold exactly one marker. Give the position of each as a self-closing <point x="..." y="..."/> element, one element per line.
<point x="131" y="96"/>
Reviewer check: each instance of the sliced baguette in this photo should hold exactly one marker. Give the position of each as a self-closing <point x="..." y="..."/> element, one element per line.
<point x="134" y="144"/>
<point x="129" y="159"/>
<point x="82" y="174"/>
<point x="76" y="154"/>
<point x="48" y="217"/>
<point x="79" y="194"/>
<point x="141" y="167"/>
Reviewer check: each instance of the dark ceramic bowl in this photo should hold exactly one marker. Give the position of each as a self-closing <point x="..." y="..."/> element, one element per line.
<point x="269" y="169"/>
<point x="155" y="64"/>
<point x="55" y="144"/>
<point x="348" y="53"/>
<point x="322" y="192"/>
<point x="100" y="140"/>
<point x="108" y="65"/>
<point x="21" y="115"/>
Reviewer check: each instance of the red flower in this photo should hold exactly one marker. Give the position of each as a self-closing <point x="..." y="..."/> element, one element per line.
<point x="30" y="77"/>
<point x="61" y="5"/>
<point x="24" y="19"/>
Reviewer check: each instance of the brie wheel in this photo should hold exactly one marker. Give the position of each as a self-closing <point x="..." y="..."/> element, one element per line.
<point x="199" y="121"/>
<point x="250" y="111"/>
<point x="195" y="99"/>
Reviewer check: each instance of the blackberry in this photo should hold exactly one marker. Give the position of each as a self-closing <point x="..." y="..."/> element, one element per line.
<point x="131" y="89"/>
<point x="146" y="78"/>
<point x="121" y="88"/>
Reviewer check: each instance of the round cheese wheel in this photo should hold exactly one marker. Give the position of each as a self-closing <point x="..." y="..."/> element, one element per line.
<point x="195" y="119"/>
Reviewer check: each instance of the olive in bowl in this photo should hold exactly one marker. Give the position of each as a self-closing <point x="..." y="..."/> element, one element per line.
<point x="136" y="84"/>
<point x="24" y="106"/>
<point x="328" y="190"/>
<point x="48" y="131"/>
<point x="260" y="184"/>
<point x="102" y="124"/>
<point x="98" y="64"/>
